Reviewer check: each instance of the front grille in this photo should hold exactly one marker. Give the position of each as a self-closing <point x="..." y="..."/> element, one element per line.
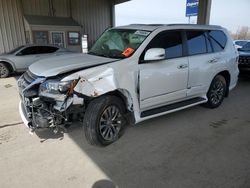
<point x="29" y="77"/>
<point x="244" y="60"/>
<point x="26" y="79"/>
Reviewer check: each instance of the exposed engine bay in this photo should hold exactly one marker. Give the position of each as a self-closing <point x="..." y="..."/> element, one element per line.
<point x="46" y="108"/>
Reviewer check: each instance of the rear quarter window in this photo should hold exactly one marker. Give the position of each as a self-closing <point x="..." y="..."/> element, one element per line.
<point x="218" y="40"/>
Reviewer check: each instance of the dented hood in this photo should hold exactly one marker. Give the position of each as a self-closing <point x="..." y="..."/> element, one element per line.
<point x="65" y="63"/>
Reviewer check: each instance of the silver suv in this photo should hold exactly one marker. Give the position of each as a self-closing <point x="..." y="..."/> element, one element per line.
<point x="131" y="74"/>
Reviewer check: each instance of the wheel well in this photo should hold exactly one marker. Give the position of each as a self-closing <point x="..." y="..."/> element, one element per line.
<point x="120" y="95"/>
<point x="8" y="65"/>
<point x="227" y="77"/>
<point x="127" y="104"/>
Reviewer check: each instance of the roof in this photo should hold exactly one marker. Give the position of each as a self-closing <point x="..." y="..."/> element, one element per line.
<point x="120" y="1"/>
<point x="152" y="27"/>
<point x="49" y="20"/>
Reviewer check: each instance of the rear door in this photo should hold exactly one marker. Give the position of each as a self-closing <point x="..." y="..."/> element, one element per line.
<point x="205" y="58"/>
<point x="164" y="81"/>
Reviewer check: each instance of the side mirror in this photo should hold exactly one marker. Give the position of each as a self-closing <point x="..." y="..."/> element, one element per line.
<point x="19" y="54"/>
<point x="155" y="54"/>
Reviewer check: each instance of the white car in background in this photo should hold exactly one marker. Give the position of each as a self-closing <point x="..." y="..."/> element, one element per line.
<point x="19" y="59"/>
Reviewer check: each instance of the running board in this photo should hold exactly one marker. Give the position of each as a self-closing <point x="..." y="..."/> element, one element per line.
<point x="172" y="107"/>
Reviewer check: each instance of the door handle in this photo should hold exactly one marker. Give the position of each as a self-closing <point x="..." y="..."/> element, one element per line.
<point x="183" y="66"/>
<point x="213" y="60"/>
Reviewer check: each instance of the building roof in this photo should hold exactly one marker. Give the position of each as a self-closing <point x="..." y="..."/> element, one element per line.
<point x="49" y="20"/>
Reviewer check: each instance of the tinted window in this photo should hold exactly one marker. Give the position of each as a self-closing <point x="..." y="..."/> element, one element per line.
<point x="29" y="51"/>
<point x="171" y="41"/>
<point x="196" y="42"/>
<point x="47" y="49"/>
<point x="218" y="40"/>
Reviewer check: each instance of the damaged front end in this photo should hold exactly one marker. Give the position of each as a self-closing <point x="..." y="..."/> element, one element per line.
<point x="47" y="103"/>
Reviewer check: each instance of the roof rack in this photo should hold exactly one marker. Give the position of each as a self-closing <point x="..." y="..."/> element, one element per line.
<point x="181" y="24"/>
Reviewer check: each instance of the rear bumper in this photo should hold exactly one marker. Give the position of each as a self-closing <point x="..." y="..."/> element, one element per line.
<point x="24" y="115"/>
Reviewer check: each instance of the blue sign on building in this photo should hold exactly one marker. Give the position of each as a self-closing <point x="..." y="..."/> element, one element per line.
<point x="192" y="8"/>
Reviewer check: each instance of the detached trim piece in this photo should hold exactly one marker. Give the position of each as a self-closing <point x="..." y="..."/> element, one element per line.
<point x="22" y="114"/>
<point x="171" y="107"/>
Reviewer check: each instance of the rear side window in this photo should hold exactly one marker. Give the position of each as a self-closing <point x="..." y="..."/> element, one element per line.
<point x="29" y="51"/>
<point x="196" y="42"/>
<point x="218" y="40"/>
<point x="47" y="49"/>
<point x="171" y="41"/>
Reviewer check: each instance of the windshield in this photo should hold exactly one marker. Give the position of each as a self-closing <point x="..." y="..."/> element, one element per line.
<point x="15" y="50"/>
<point x="118" y="43"/>
<point x="246" y="47"/>
<point x="241" y="42"/>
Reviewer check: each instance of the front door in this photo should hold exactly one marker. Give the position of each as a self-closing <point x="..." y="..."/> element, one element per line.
<point x="58" y="39"/>
<point x="164" y="81"/>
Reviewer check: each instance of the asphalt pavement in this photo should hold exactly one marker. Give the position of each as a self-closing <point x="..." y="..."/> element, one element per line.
<point x="193" y="148"/>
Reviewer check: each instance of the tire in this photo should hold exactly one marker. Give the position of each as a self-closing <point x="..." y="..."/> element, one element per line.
<point x="4" y="70"/>
<point x="104" y="120"/>
<point x="216" y="92"/>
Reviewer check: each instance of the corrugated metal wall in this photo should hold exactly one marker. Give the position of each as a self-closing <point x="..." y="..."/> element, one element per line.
<point x="93" y="15"/>
<point x="36" y="7"/>
<point x="60" y="8"/>
<point x="11" y="25"/>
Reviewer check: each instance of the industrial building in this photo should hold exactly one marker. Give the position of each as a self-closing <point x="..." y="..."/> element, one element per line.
<point x="65" y="23"/>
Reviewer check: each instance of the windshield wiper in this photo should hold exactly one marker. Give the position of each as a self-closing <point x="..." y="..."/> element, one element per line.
<point x="101" y="55"/>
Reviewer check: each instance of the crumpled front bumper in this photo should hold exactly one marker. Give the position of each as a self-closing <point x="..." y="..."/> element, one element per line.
<point x="24" y="116"/>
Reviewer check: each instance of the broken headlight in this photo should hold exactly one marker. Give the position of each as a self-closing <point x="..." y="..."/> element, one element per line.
<point x="56" y="89"/>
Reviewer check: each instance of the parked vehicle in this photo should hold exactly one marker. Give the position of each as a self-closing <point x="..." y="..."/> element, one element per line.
<point x="244" y="58"/>
<point x="131" y="74"/>
<point x="240" y="43"/>
<point x="19" y="59"/>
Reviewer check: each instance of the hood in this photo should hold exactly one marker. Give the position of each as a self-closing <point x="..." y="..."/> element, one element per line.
<point x="65" y="63"/>
<point x="244" y="53"/>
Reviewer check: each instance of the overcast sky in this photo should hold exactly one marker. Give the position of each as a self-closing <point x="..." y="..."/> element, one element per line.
<point x="231" y="14"/>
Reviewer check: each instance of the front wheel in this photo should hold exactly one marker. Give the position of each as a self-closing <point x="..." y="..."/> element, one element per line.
<point x="4" y="70"/>
<point x="216" y="92"/>
<point x="104" y="120"/>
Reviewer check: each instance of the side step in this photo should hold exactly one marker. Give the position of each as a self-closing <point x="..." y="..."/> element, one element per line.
<point x="171" y="107"/>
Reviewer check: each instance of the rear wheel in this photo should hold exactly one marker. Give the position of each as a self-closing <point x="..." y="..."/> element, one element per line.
<point x="104" y="120"/>
<point x="4" y="70"/>
<point x="216" y="92"/>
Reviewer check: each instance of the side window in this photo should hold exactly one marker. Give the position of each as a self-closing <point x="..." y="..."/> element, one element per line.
<point x="171" y="41"/>
<point x="196" y="42"/>
<point x="47" y="49"/>
<point x="29" y="51"/>
<point x="218" y="40"/>
<point x="209" y="45"/>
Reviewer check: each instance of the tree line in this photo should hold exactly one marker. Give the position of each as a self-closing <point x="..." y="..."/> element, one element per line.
<point x="242" y="33"/>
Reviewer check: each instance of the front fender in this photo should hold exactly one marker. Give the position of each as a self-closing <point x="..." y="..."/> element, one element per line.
<point x="97" y="84"/>
<point x="9" y="63"/>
